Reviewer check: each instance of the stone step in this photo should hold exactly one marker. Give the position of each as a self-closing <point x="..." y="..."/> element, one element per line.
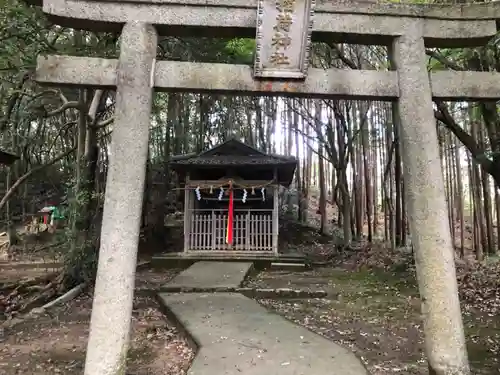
<point x="286" y="293"/>
<point x="211" y="275"/>
<point x="182" y="260"/>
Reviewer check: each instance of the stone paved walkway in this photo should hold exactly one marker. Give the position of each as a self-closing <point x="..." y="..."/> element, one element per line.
<point x="212" y="275"/>
<point x="236" y="335"/>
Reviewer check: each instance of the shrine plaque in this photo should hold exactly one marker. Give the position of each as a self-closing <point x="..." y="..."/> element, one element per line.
<point x="283" y="38"/>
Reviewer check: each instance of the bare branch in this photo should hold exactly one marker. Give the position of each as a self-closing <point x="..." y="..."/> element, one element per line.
<point x="64" y="107"/>
<point x="25" y="176"/>
<point x="443" y="60"/>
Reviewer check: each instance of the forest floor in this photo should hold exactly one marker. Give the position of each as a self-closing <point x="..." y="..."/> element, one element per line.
<point x="376" y="314"/>
<point x="372" y="308"/>
<point x="55" y="342"/>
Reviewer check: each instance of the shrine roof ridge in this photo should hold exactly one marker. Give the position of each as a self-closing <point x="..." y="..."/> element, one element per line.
<point x="243" y="160"/>
<point x="232" y="152"/>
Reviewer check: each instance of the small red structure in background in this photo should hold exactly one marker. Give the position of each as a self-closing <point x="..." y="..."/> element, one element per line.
<point x="45" y="213"/>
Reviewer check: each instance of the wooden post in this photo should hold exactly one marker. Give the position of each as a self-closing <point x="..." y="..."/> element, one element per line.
<point x="275" y="218"/>
<point x="214" y="230"/>
<point x="187" y="214"/>
<point x="247" y="231"/>
<point x="275" y="212"/>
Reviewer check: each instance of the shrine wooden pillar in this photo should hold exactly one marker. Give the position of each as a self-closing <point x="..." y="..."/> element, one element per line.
<point x="188" y="212"/>
<point x="275" y="219"/>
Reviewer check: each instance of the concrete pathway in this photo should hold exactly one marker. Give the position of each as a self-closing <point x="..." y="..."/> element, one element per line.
<point x="237" y="336"/>
<point x="211" y="275"/>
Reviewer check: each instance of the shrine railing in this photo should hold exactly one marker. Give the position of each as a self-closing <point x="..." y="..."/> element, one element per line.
<point x="252" y="230"/>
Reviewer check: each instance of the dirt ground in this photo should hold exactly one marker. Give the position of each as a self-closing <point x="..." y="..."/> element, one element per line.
<point x="375" y="313"/>
<point x="8" y="275"/>
<point x="377" y="316"/>
<point x="55" y="343"/>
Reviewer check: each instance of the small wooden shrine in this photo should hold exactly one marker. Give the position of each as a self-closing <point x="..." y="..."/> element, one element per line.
<point x="231" y="198"/>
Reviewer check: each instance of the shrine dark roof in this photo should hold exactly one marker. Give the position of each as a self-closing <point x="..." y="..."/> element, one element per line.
<point x="234" y="153"/>
<point x="221" y="160"/>
<point x="6" y="158"/>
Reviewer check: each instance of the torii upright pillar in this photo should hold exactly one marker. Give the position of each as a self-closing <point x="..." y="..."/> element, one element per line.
<point x="429" y="226"/>
<point x="114" y="289"/>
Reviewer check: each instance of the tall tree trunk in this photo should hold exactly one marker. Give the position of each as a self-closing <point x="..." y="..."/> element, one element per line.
<point x="365" y="141"/>
<point x="460" y="195"/>
<point x="321" y="167"/>
<point x="298" y="173"/>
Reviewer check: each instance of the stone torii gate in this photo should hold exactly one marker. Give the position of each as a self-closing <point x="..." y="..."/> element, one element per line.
<point x="284" y="29"/>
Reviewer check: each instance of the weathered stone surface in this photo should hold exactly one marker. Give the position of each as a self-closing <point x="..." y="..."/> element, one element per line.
<point x="434" y="253"/>
<point x="444" y="11"/>
<point x="283" y="39"/>
<point x="356" y="22"/>
<point x="78" y="71"/>
<point x="202" y="77"/>
<point x="285" y="293"/>
<point x="450" y="85"/>
<point x="195" y="77"/>
<point x="238" y="78"/>
<point x="114" y="289"/>
<point x="236" y="335"/>
<point x="371" y="29"/>
<point x="474" y="11"/>
<point x="211" y="275"/>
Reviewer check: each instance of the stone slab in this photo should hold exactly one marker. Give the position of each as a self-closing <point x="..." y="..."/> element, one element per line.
<point x="221" y="78"/>
<point x="288" y="266"/>
<point x="283" y="40"/>
<point x="259" y="293"/>
<point x="448" y="26"/>
<point x="238" y="257"/>
<point x="212" y="275"/>
<point x="183" y="260"/>
<point x="226" y="78"/>
<point x="457" y="11"/>
<point x="447" y="85"/>
<point x="236" y="335"/>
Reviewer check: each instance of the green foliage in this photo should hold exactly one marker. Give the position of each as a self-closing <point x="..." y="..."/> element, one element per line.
<point x="22" y="36"/>
<point x="242" y="50"/>
<point x="80" y="259"/>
